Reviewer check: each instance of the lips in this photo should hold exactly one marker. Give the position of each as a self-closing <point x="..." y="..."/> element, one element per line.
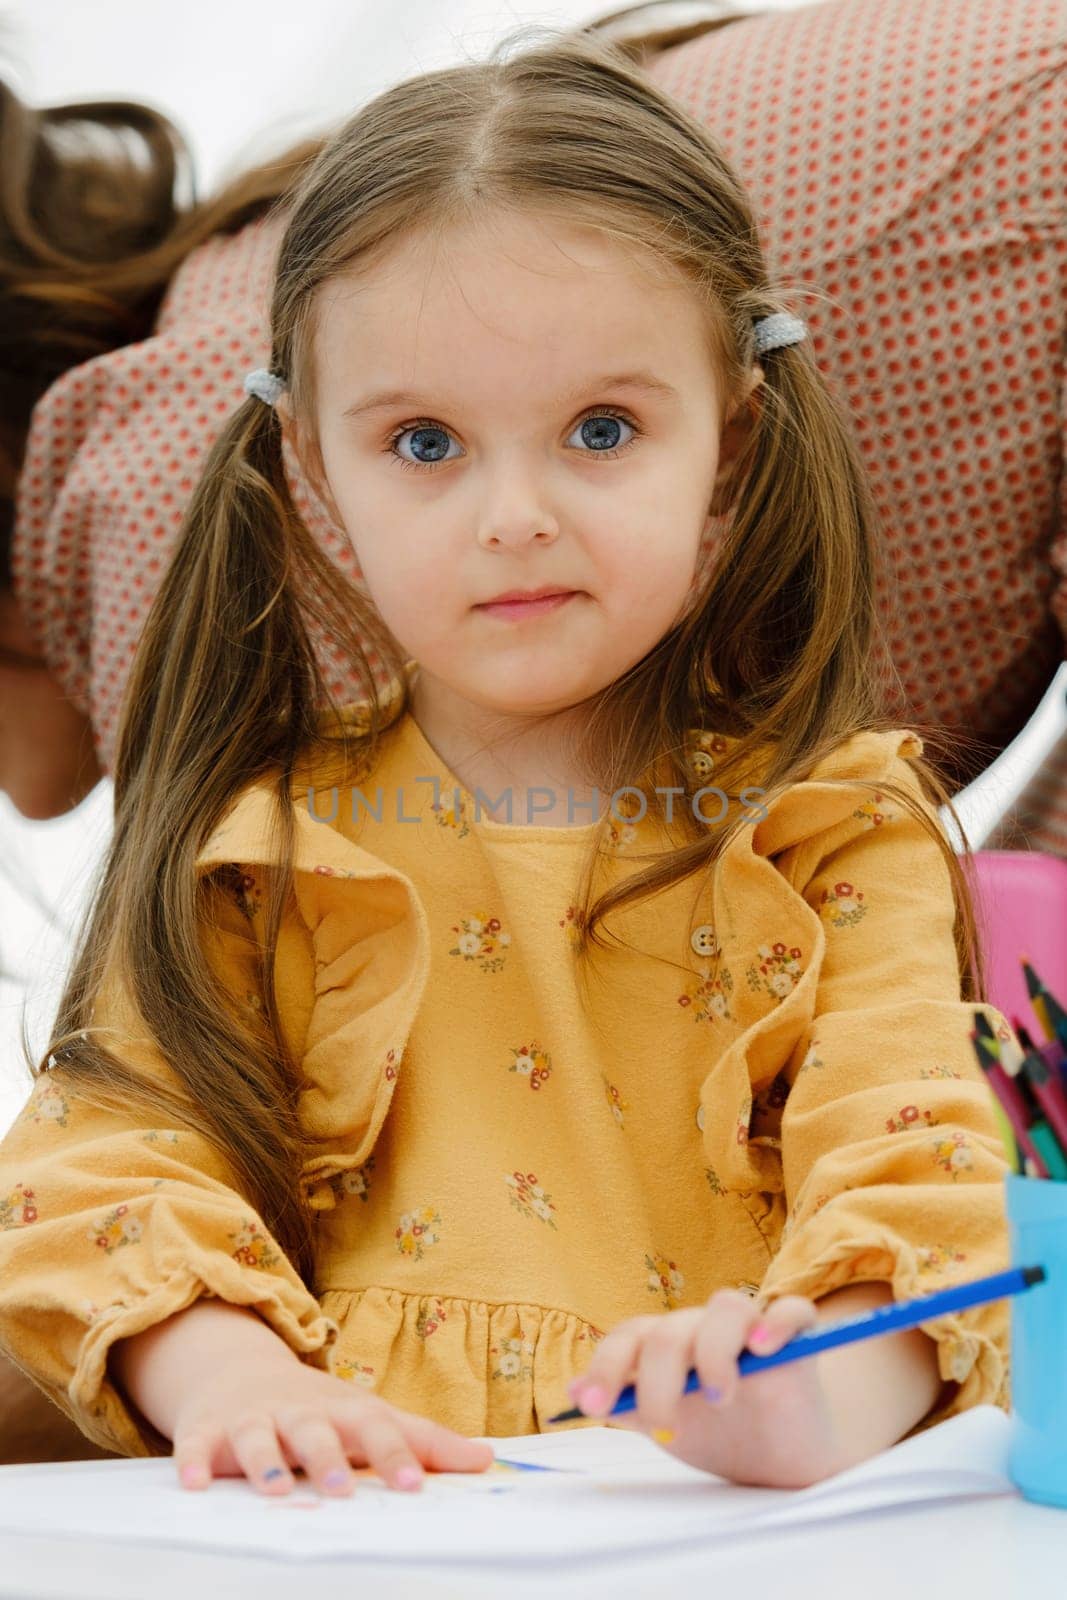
<point x="520" y="596"/>
<point x="513" y="610"/>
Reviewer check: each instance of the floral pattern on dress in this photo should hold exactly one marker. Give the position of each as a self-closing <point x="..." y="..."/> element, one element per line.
<point x="531" y="1062"/>
<point x="253" y="1246"/>
<point x="715" y="1183"/>
<point x="481" y="939"/>
<point x="619" y="1106"/>
<point x="665" y="1278"/>
<point x="529" y="1197"/>
<point x="90" y="1310"/>
<point x="571" y="923"/>
<point x="323" y="870"/>
<point x="391" y="1065"/>
<point x="47" y="1104"/>
<point x="512" y="1355"/>
<point x="18" y="1207"/>
<point x="843" y="904"/>
<point x="710" y="996"/>
<point x="618" y="834"/>
<point x="354" y="1372"/>
<point x="416" y="1231"/>
<point x="452" y="816"/>
<point x="352" y="1182"/>
<point x="876" y="811"/>
<point x="429" y="1320"/>
<point x="779" y="969"/>
<point x="911" y="1117"/>
<point x="940" y="1071"/>
<point x="936" y="1257"/>
<point x="812" y="1059"/>
<point x="954" y="1154"/>
<point x="115" y="1229"/>
<point x="744" y="1121"/>
<point x="155" y="1135"/>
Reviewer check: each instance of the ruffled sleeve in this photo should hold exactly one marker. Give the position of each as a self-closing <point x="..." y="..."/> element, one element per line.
<point x="874" y="1150"/>
<point x="111" y="1223"/>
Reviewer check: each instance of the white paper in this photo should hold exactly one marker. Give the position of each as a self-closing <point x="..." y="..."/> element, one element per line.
<point x="614" y="1491"/>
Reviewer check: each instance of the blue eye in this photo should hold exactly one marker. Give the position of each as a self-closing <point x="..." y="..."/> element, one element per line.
<point x="592" y="426"/>
<point x="600" y="431"/>
<point x="438" y="437"/>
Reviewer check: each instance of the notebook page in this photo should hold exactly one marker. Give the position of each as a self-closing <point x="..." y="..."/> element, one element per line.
<point x="610" y="1492"/>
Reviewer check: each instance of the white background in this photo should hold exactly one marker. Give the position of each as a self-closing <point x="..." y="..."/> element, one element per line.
<point x="243" y="79"/>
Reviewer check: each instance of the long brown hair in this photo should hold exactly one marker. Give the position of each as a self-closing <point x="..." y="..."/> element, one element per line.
<point x="776" y="651"/>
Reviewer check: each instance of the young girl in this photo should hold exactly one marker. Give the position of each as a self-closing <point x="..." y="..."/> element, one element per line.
<point x="594" y="1004"/>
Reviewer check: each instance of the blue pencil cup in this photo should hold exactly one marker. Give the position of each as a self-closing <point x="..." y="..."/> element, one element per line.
<point x="1037" y="1458"/>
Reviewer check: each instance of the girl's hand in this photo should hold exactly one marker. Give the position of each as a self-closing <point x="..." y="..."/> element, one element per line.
<point x="259" y="1418"/>
<point x="773" y="1428"/>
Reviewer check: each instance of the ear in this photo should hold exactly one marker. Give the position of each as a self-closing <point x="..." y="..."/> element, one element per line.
<point x="735" y="432"/>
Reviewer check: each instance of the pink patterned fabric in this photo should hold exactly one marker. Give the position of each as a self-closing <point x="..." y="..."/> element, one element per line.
<point x="907" y="166"/>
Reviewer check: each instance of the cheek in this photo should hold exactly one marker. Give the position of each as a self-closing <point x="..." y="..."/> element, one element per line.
<point x="651" y="567"/>
<point x="408" y="581"/>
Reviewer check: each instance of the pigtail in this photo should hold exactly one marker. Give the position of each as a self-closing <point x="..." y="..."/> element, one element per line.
<point x="792" y="592"/>
<point x="225" y="689"/>
<point x="797" y="659"/>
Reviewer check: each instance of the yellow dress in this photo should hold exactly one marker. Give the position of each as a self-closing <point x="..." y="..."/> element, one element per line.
<point x="770" y="1086"/>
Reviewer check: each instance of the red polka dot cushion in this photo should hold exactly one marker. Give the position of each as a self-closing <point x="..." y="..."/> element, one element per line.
<point x="907" y="165"/>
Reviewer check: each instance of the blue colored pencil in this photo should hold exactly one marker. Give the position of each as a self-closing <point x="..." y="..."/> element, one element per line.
<point x="884" y="1319"/>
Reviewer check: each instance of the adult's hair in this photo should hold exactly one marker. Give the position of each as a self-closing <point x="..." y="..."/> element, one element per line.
<point x="776" y="651"/>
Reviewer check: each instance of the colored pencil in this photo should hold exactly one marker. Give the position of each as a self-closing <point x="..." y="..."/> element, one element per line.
<point x="1047" y="1091"/>
<point x="1010" y="1097"/>
<point x="883" y="1319"/>
<point x="1047" y="1008"/>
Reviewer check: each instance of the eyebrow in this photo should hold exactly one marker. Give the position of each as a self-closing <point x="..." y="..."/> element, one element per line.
<point x="645" y="382"/>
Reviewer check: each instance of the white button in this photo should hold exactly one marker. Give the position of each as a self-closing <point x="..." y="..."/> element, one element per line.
<point x="703" y="940"/>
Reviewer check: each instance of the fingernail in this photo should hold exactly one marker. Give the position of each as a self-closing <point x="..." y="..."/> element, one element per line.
<point x="337" y="1479"/>
<point x="272" y="1473"/>
<point x="760" y="1334"/>
<point x="409" y="1477"/>
<point x="193" y="1477"/>
<point x="711" y="1393"/>
<point x="593" y="1399"/>
<point x="663" y="1435"/>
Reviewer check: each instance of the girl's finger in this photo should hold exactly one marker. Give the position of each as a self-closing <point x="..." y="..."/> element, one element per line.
<point x="779" y="1322"/>
<point x="663" y="1363"/>
<point x="194" y="1453"/>
<point x="612" y="1366"/>
<point x="431" y="1443"/>
<point x="727" y="1319"/>
<point x="442" y="1449"/>
<point x="254" y="1442"/>
<point x="312" y="1442"/>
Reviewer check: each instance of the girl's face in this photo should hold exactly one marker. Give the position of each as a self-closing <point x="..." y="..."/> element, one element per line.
<point x="519" y="456"/>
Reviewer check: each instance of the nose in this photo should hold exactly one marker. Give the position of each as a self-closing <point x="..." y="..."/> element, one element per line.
<point x="514" y="515"/>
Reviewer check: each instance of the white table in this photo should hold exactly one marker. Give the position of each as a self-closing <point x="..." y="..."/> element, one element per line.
<point x="991" y="1549"/>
